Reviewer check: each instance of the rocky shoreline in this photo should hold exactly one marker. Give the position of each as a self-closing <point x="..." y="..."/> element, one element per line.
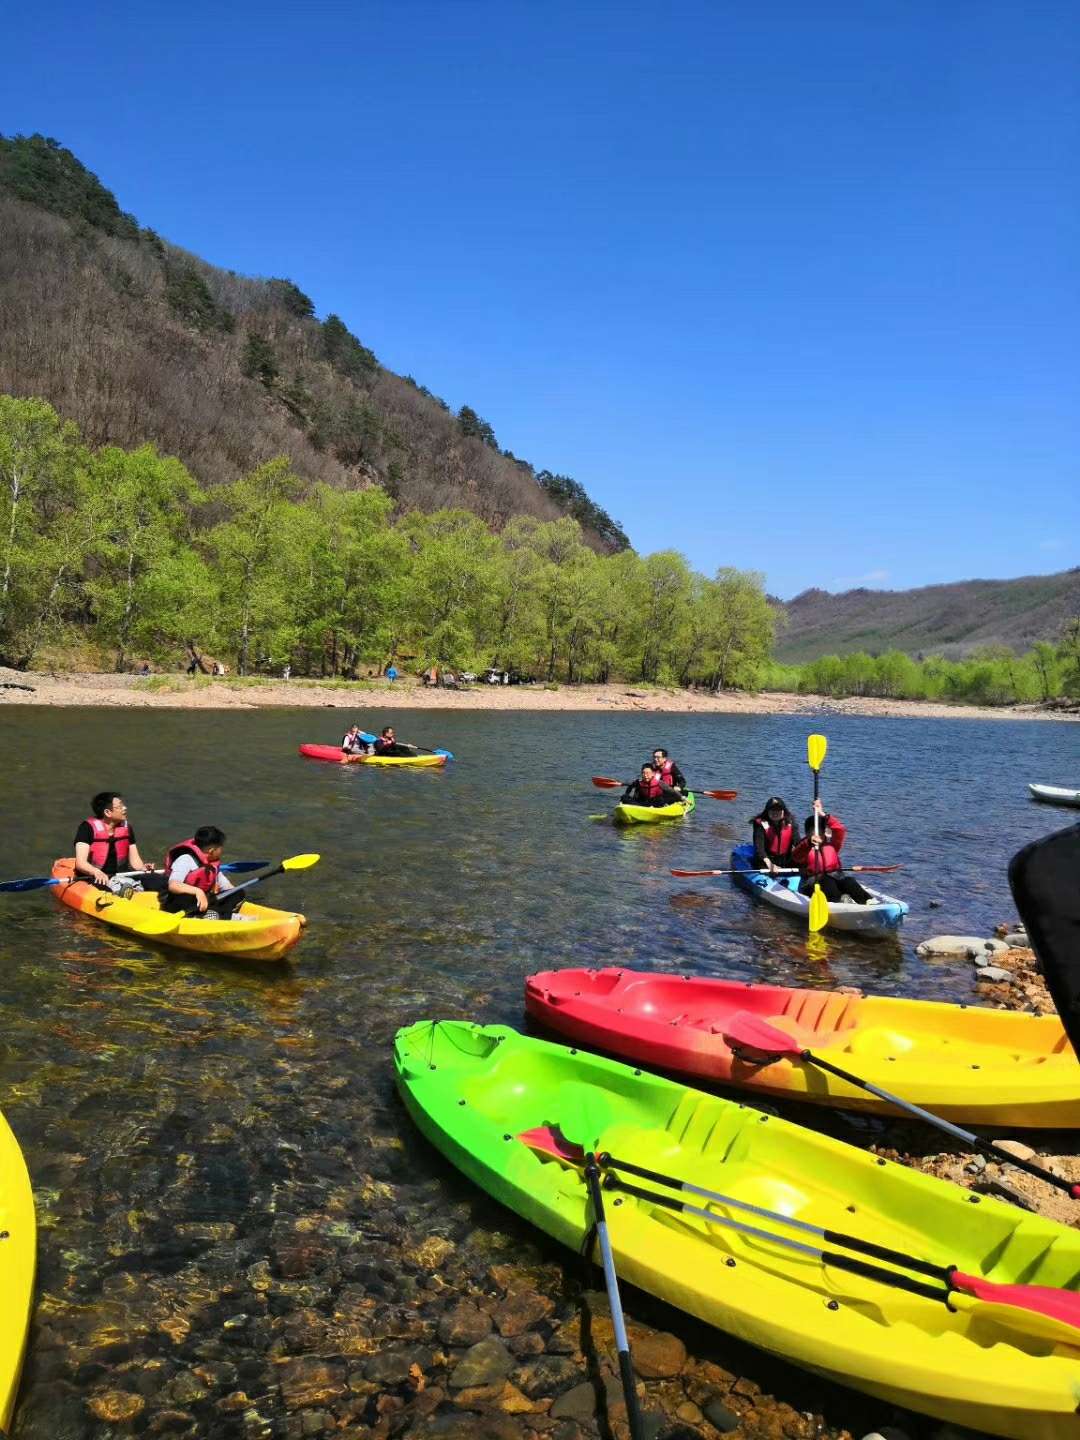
<point x="233" y="693"/>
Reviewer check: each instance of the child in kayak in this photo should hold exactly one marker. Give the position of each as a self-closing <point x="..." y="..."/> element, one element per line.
<point x="650" y="790"/>
<point x="352" y="744"/>
<point x="818" y="857"/>
<point x="776" y="833"/>
<point x="196" y="885"/>
<point x="669" y="772"/>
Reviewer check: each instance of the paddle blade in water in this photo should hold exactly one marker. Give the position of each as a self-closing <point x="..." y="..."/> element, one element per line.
<point x="816" y="746"/>
<point x="32" y="882"/>
<point x="720" y="794"/>
<point x="819" y="910"/>
<point x="300" y="862"/>
<point x="602" y="782"/>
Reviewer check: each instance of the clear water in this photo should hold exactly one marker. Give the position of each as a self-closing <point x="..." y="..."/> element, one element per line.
<point x="183" y="1118"/>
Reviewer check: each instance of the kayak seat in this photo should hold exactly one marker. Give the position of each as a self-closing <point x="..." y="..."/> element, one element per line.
<point x="821" y="1013"/>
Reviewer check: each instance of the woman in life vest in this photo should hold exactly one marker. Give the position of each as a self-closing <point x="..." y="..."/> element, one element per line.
<point x="818" y="858"/>
<point x="649" y="790"/>
<point x="776" y="833"/>
<point x="352" y="744"/>
<point x="195" y="882"/>
<point x="668" y="771"/>
<point x="105" y="843"/>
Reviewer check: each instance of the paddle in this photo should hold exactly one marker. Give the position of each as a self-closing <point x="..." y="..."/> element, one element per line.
<point x="293" y="862"/>
<point x="816" y="746"/>
<point x="604" y="782"/>
<point x="40" y="882"/>
<point x="746" y="1032"/>
<point x="622" y="1343"/>
<point x="1045" y="1303"/>
<point x="370" y="739"/>
<point x="866" y="869"/>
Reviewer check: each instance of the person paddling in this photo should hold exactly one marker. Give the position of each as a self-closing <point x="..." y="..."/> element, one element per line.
<point x="388" y="745"/>
<point x="818" y="858"/>
<point x="669" y="772"/>
<point x="105" y="843"/>
<point x="195" y="882"/>
<point x="775" y="833"/>
<point x="650" y="790"/>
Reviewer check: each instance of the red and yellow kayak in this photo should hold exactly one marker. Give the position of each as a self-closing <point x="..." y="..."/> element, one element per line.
<point x="965" y="1063"/>
<point x="334" y="754"/>
<point x="260" y="933"/>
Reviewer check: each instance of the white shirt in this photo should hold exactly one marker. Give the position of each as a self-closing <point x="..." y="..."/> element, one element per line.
<point x="184" y="865"/>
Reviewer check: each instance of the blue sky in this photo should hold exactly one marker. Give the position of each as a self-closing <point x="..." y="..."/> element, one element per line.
<point x="793" y="287"/>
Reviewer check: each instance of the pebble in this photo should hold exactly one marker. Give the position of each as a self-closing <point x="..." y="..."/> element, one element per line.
<point x="718" y="1414"/>
<point x="482" y="1364"/>
<point x="960" y="946"/>
<point x="1016" y="1148"/>
<point x="1015" y="939"/>
<point x="994" y="975"/>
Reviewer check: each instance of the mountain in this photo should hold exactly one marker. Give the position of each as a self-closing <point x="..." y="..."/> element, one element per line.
<point x="136" y="340"/>
<point x="949" y="620"/>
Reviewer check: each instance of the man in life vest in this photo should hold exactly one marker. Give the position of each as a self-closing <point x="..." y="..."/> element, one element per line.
<point x="105" y="843"/>
<point x="818" y="858"/>
<point x="776" y="833"/>
<point x="649" y="790"/>
<point x="195" y="883"/>
<point x="668" y="771"/>
<point x="386" y="744"/>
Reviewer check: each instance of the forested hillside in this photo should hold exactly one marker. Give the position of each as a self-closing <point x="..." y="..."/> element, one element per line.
<point x="139" y="342"/>
<point x="953" y="621"/>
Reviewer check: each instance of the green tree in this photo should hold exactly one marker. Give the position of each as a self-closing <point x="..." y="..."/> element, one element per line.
<point x="259" y="362"/>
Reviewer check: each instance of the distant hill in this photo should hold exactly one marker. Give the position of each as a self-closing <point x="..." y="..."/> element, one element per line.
<point x="136" y="340"/>
<point x="949" y="620"/>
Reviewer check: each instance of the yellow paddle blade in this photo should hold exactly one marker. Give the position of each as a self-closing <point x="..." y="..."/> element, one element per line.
<point x="300" y="862"/>
<point x="816" y="745"/>
<point x="819" y="910"/>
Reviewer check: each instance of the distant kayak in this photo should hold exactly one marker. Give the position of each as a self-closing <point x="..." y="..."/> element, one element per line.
<point x="882" y="915"/>
<point x="985" y="1067"/>
<point x="17" y="1253"/>
<point x="261" y="933"/>
<point x="334" y="754"/>
<point x="650" y="814"/>
<point x="1055" y="795"/>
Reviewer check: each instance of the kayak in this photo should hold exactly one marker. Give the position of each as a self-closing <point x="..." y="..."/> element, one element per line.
<point x="476" y="1092"/>
<point x="260" y="933"/>
<point x="18" y="1248"/>
<point x="333" y="752"/>
<point x="649" y="814"/>
<point x="985" y="1067"/>
<point x="882" y="915"/>
<point x="1055" y="795"/>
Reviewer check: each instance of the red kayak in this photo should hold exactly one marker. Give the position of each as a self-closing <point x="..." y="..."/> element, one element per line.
<point x="991" y="1067"/>
<point x="335" y="754"/>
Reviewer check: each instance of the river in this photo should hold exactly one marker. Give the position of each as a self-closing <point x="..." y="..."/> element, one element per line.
<point x="221" y="1165"/>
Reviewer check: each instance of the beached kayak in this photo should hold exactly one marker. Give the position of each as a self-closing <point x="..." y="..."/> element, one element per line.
<point x="18" y="1248"/>
<point x="985" y="1067"/>
<point x="333" y="753"/>
<point x="260" y="933"/>
<point x="1055" y="795"/>
<point x="880" y="917"/>
<point x="476" y="1091"/>
<point x="650" y="814"/>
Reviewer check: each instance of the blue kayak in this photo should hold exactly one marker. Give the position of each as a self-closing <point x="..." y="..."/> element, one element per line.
<point x="882" y="915"/>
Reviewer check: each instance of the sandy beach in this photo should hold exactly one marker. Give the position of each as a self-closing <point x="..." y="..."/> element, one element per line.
<point x="233" y="693"/>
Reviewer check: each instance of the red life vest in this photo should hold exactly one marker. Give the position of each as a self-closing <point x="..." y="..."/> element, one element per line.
<point x="205" y="877"/>
<point x="822" y="861"/>
<point x="651" y="789"/>
<point x="778" y="841"/>
<point x="118" y="841"/>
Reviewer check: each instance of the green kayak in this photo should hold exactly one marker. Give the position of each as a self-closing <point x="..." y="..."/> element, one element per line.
<point x="515" y="1115"/>
<point x="650" y="814"/>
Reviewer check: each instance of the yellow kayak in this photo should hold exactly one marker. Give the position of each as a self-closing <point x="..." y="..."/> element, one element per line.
<point x="965" y="1063"/>
<point x="491" y="1100"/>
<point x="18" y="1243"/>
<point x="650" y="814"/>
<point x="260" y="932"/>
<point x="334" y="754"/>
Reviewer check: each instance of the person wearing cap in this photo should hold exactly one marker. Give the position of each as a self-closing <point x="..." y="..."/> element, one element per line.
<point x="776" y="833"/>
